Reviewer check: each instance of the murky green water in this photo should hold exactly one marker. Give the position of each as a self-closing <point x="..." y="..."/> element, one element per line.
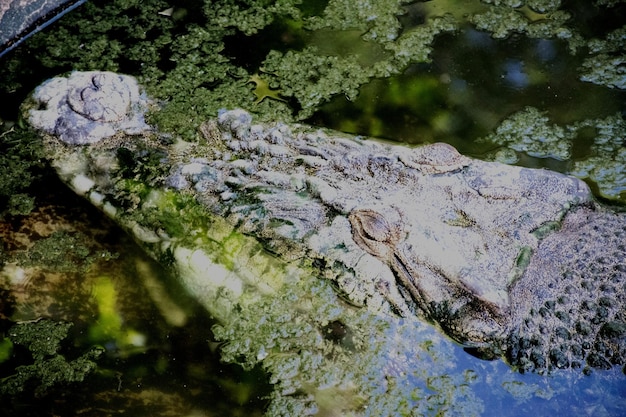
<point x="159" y="356"/>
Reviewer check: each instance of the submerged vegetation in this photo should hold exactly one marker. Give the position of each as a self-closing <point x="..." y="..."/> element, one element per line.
<point x="551" y="94"/>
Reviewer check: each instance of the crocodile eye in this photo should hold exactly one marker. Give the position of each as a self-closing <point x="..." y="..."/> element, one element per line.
<point x="373" y="232"/>
<point x="371" y="225"/>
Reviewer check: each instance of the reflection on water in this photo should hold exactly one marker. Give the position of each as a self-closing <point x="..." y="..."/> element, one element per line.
<point x="68" y="263"/>
<point x="472" y="84"/>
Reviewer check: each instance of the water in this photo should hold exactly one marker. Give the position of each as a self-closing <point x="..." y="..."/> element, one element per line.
<point x="160" y="357"/>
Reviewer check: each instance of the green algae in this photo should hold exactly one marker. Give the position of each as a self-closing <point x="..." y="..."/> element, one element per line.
<point x="49" y="367"/>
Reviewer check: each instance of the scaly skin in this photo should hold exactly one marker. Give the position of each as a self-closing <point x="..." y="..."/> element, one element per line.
<point x="505" y="260"/>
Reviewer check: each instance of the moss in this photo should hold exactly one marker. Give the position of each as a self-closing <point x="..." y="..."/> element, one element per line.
<point x="49" y="368"/>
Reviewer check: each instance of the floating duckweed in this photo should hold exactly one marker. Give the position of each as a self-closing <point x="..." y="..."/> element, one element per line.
<point x="606" y="165"/>
<point x="61" y="251"/>
<point x="49" y="368"/>
<point x="606" y="64"/>
<point x="608" y="174"/>
<point x="503" y="21"/>
<point x="313" y="78"/>
<point x="249" y="20"/>
<point x="529" y="131"/>
<point x="20" y="165"/>
<point x="288" y="342"/>
<point x="377" y="19"/>
<point x="543" y="6"/>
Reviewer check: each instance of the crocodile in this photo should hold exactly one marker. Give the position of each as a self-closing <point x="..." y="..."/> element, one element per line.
<point x="508" y="261"/>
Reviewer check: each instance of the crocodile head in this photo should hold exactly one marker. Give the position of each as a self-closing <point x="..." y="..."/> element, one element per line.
<point x="434" y="233"/>
<point x="458" y="240"/>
